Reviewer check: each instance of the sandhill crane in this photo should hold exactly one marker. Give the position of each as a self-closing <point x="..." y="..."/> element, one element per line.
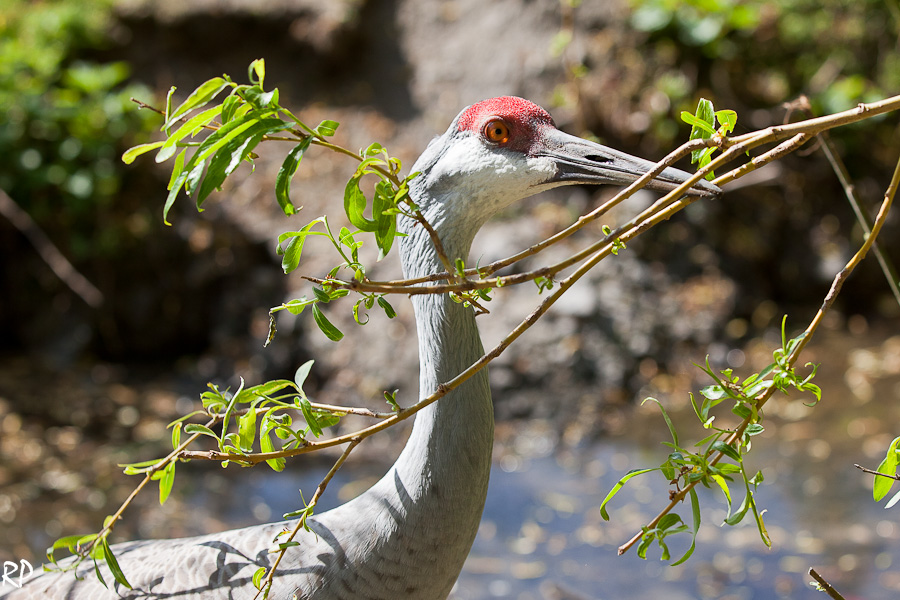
<point x="408" y="535"/>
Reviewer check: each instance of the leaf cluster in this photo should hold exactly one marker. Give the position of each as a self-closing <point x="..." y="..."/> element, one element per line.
<point x="290" y="247"/>
<point x="704" y="126"/>
<point x="94" y="546"/>
<point x="717" y="460"/>
<point x="246" y="417"/>
<point x="209" y="144"/>
<point x="258" y="412"/>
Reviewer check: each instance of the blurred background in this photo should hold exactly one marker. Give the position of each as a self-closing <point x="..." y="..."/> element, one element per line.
<point x="90" y="376"/>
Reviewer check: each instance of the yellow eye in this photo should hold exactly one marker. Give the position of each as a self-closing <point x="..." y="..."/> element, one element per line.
<point x="496" y="131"/>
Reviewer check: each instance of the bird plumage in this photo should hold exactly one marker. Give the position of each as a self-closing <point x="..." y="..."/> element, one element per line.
<point x="408" y="535"/>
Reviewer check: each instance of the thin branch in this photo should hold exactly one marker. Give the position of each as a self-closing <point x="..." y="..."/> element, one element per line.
<point x="825" y="586"/>
<point x="827" y="303"/>
<point x="871" y="472"/>
<point x="49" y="253"/>
<point x="364" y="412"/>
<point x="163" y="462"/>
<point x="887" y="267"/>
<point x="819" y="124"/>
<point x="301" y="523"/>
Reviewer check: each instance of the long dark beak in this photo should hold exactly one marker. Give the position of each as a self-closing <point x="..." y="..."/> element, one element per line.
<point x="581" y="161"/>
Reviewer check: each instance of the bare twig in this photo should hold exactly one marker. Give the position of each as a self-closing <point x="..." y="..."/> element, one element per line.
<point x="50" y="254"/>
<point x="824" y="585"/>
<point x="887" y="267"/>
<point x="871" y="472"/>
<point x="148" y="476"/>
<point x="301" y="523"/>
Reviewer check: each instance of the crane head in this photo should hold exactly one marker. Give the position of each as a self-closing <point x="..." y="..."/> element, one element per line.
<point x="504" y="149"/>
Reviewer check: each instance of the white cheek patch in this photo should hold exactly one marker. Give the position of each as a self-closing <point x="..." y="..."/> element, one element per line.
<point x="468" y="165"/>
<point x="542" y="168"/>
<point x="470" y="182"/>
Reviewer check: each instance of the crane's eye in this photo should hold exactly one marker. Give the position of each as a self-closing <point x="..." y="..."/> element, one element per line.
<point x="496" y="131"/>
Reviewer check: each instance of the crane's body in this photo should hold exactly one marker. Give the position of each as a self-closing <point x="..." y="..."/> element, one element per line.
<point x="408" y="535"/>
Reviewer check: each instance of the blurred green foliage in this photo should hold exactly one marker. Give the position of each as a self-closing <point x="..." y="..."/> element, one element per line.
<point x="838" y="52"/>
<point x="64" y="118"/>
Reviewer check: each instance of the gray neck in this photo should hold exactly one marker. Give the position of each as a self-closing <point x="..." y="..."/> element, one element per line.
<point x="409" y="534"/>
<point x="448" y="455"/>
<point x="452" y="439"/>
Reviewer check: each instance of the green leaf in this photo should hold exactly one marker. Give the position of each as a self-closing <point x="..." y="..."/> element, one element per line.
<point x="72" y="543"/>
<point x="290" y="259"/>
<point x="286" y="545"/>
<point x="723" y="485"/>
<point x="166" y="481"/>
<point x="297" y="305"/>
<point x="361" y="319"/>
<point x="257" y="68"/>
<point x="285" y="175"/>
<point x="618" y="486"/>
<point x="728" y="120"/>
<point x="302" y="373"/>
<point x="226" y="417"/>
<point x="382" y="212"/>
<point x="316" y="419"/>
<point x="139" y="467"/>
<point x="258" y="576"/>
<point x="132" y="153"/>
<point x="311" y="418"/>
<point x="170" y="95"/>
<point x="265" y="390"/>
<point x="888" y="467"/>
<point x="113" y="564"/>
<point x="355" y="204"/>
<point x="97" y="554"/>
<point x="646" y="540"/>
<point x="321" y="295"/>
<point x="386" y="307"/>
<point x="191" y="127"/>
<point x="726" y="449"/>
<point x="754" y="429"/>
<point x="213" y="400"/>
<point x="230" y="106"/>
<point x="745" y="505"/>
<point x="714" y="392"/>
<point x="331" y="332"/>
<point x="327" y="128"/>
<point x="666" y="417"/>
<point x="247" y="430"/>
<point x="702" y="127"/>
<point x="695" y="511"/>
<point x="391" y="399"/>
<point x="192" y="173"/>
<point x="234" y="151"/>
<point x="258" y="98"/>
<point x="199" y="97"/>
<point x="176" y="434"/>
<point x="265" y="442"/>
<point x="698" y="125"/>
<point x="177" y="170"/>
<point x="192" y="428"/>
